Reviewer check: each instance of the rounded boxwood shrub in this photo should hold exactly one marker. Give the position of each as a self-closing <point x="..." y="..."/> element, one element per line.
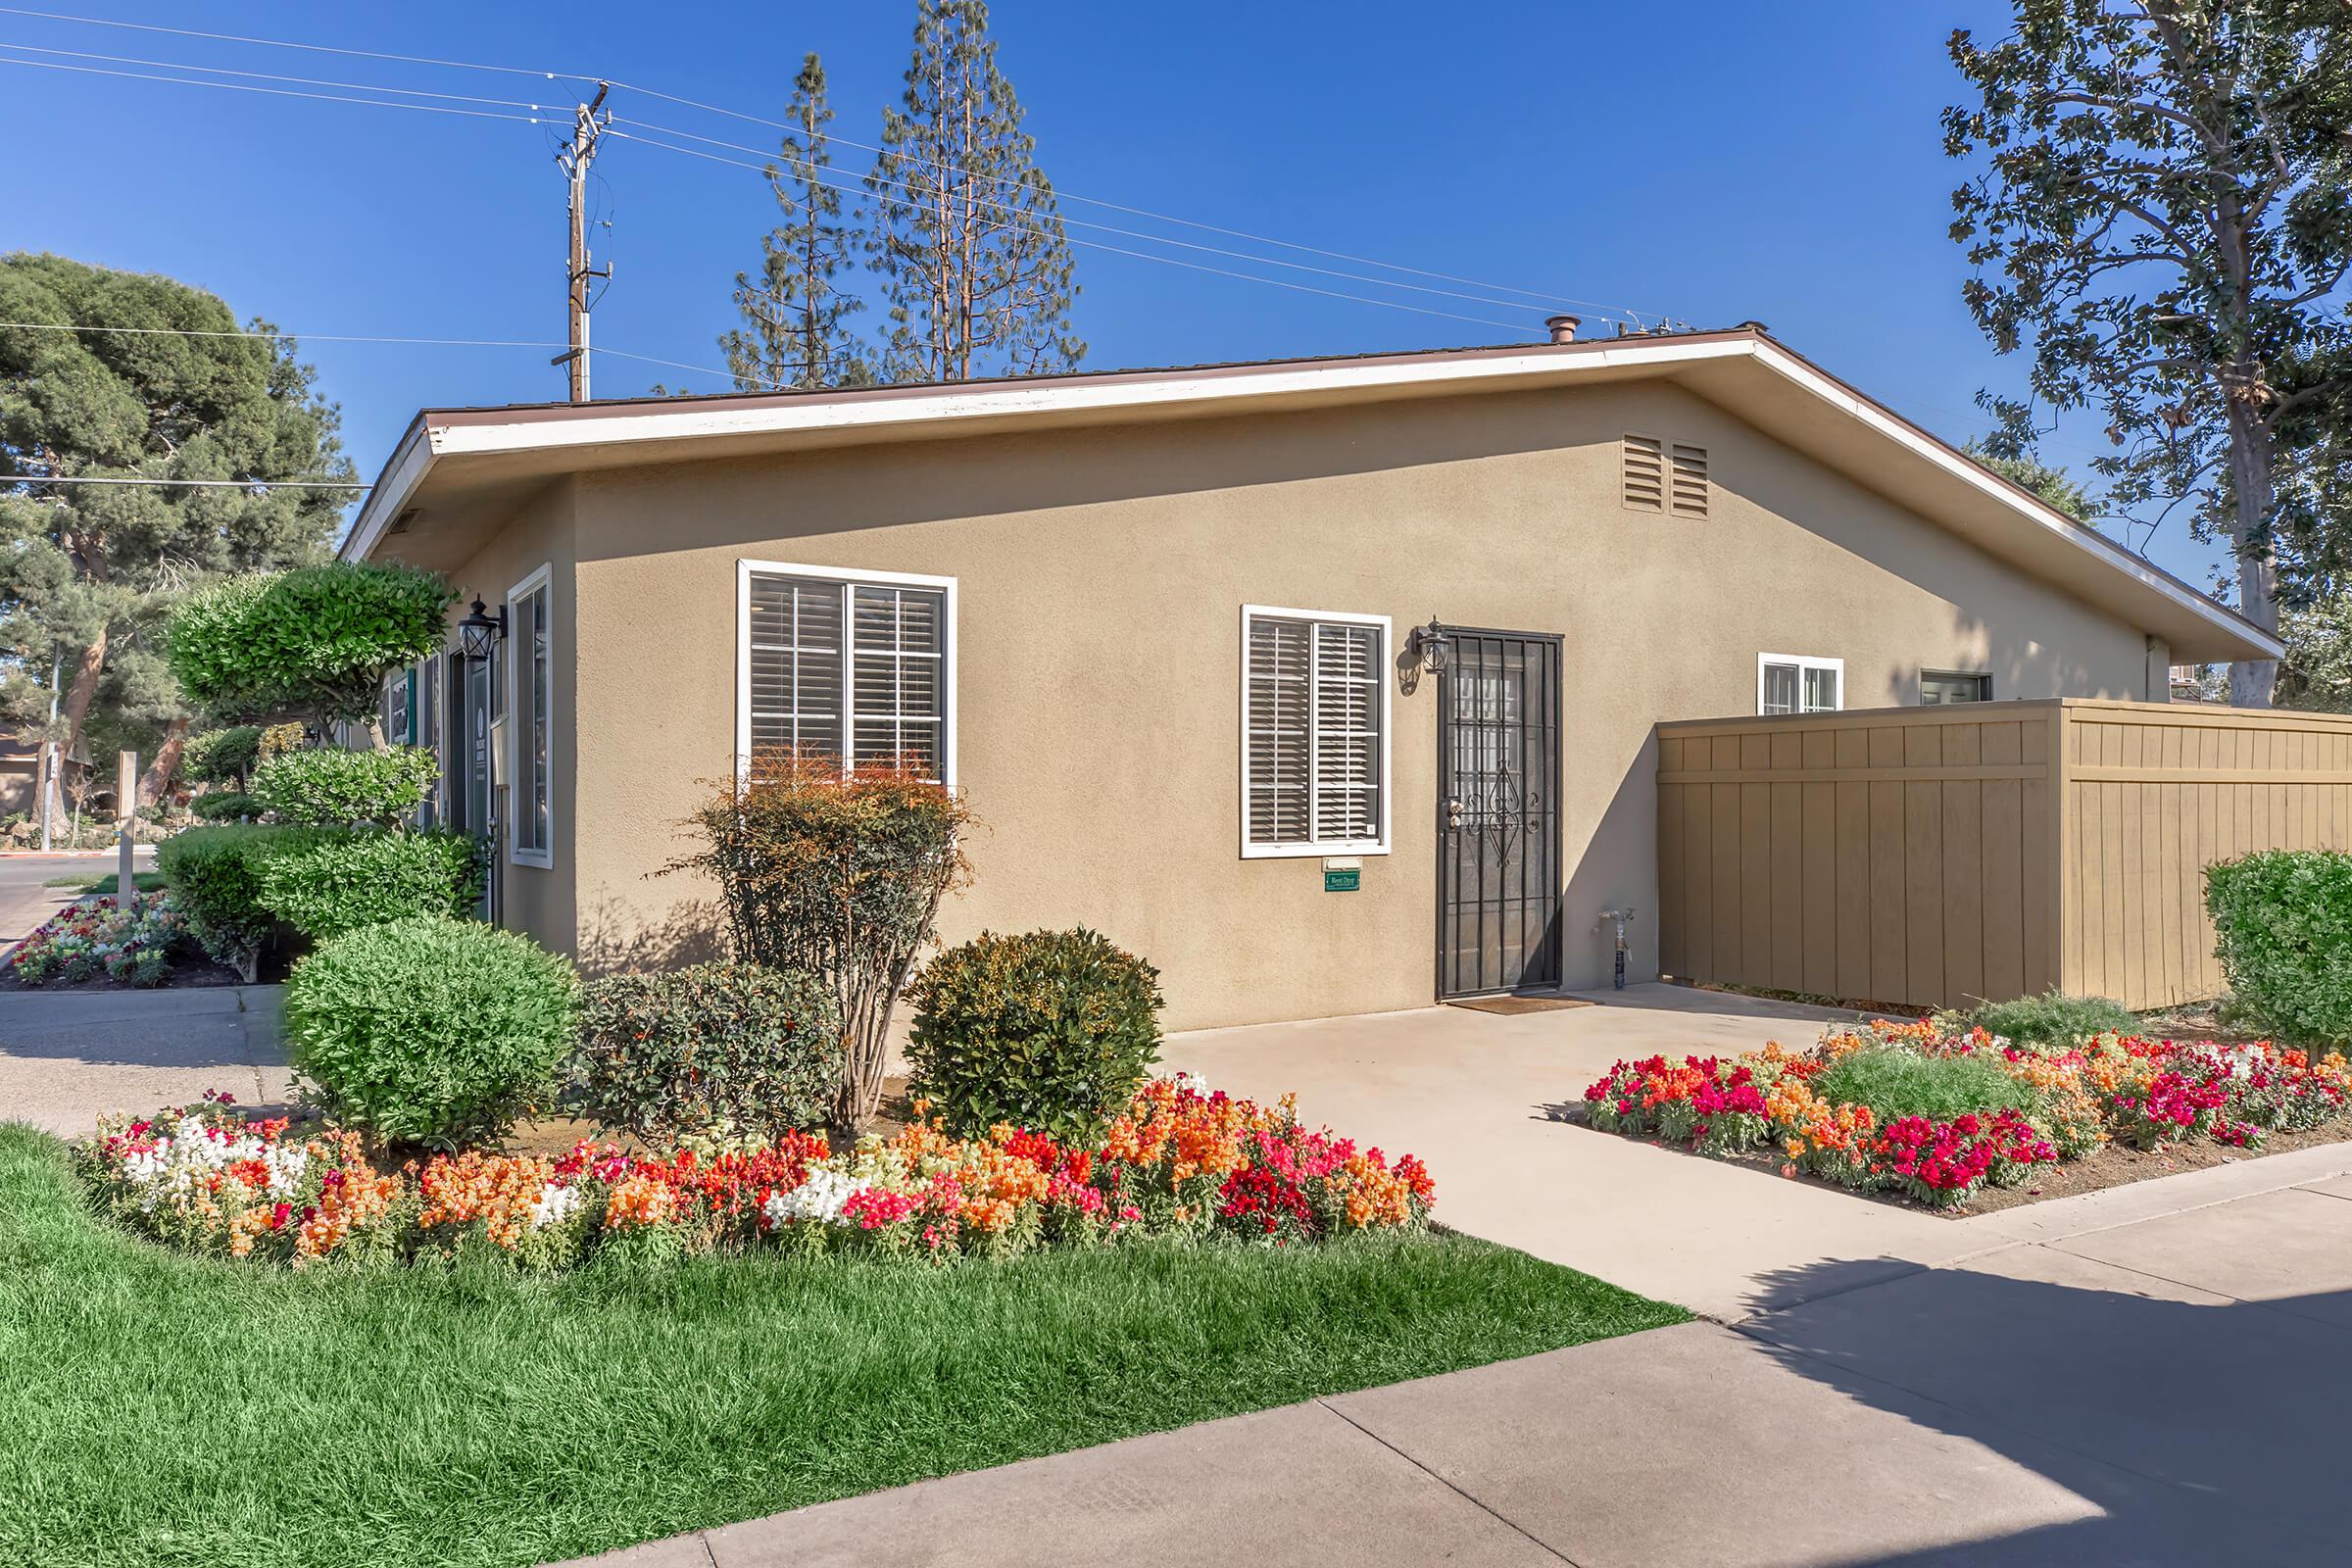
<point x="214" y="874"/>
<point x="222" y="755"/>
<point x="729" y="1049"/>
<point x="331" y="882"/>
<point x="225" y="806"/>
<point x="2282" y="920"/>
<point x="1052" y="1031"/>
<point x="430" y="1030"/>
<point x="328" y="786"/>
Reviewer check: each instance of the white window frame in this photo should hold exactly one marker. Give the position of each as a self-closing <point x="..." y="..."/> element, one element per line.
<point x="1804" y="663"/>
<point x="518" y="655"/>
<point x="1928" y="672"/>
<point x="746" y="570"/>
<point x="1388" y="653"/>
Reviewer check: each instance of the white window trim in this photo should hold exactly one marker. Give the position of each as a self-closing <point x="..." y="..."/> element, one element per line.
<point x="1804" y="663"/>
<point x="1388" y="653"/>
<point x="745" y="570"/>
<point x="518" y="769"/>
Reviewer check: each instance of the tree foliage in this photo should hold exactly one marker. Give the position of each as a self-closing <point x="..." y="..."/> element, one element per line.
<point x="315" y="641"/>
<point x="2164" y="218"/>
<point x="2053" y="485"/>
<point x="89" y="571"/>
<point x="2316" y="674"/>
<point x="795" y="313"/>
<point x="968" y="238"/>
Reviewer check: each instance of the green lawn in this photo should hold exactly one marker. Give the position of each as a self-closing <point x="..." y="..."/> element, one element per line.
<point x="104" y="883"/>
<point x="166" y="1410"/>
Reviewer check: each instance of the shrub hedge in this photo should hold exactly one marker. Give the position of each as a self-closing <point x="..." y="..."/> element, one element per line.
<point x="720" y="1049"/>
<point x="430" y="1030"/>
<point x="222" y="755"/>
<point x="225" y="806"/>
<point x="2283" y="923"/>
<point x="2052" y="1018"/>
<point x="328" y="786"/>
<point x="214" y="874"/>
<point x="331" y="883"/>
<point x="1051" y="1031"/>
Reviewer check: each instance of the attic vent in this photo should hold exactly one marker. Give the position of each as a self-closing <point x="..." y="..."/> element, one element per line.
<point x="1688" y="497"/>
<point x="1645" y="467"/>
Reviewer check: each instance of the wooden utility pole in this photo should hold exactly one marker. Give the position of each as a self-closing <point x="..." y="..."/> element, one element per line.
<point x="589" y="121"/>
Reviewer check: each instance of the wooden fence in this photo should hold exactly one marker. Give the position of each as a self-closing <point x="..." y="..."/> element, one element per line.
<point x="1936" y="856"/>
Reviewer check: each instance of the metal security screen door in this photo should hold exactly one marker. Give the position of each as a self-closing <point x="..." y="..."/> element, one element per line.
<point x="1499" y="814"/>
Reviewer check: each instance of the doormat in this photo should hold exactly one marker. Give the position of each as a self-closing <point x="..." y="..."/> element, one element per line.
<point x="1512" y="1006"/>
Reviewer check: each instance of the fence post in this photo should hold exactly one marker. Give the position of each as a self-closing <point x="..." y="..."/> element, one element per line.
<point x="127" y="816"/>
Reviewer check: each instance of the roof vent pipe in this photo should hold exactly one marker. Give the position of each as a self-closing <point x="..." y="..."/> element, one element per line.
<point x="1563" y="327"/>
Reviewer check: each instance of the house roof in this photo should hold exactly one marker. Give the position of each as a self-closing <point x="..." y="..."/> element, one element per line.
<point x="456" y="470"/>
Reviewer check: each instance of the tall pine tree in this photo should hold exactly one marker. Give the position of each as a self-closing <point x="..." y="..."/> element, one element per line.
<point x="967" y="239"/>
<point x="795" y="332"/>
<point x="88" y="570"/>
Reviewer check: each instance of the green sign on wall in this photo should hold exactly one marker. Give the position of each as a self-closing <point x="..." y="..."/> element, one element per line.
<point x="1343" y="881"/>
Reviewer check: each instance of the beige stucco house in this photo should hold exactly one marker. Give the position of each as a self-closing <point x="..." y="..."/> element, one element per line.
<point x="1327" y="685"/>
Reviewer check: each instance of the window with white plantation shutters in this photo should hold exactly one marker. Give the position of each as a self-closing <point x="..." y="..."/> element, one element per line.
<point x="846" y="668"/>
<point x="1314" y="709"/>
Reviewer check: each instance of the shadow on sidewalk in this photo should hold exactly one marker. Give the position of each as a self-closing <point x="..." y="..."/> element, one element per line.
<point x="2204" y="1433"/>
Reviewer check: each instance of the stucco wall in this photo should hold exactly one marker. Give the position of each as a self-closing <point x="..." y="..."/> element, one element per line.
<point x="538" y="899"/>
<point x="1100" y="577"/>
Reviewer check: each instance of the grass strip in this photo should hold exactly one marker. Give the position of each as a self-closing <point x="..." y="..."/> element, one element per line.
<point x="165" y="1410"/>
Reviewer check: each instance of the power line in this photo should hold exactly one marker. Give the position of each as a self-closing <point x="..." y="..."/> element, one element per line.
<point x="268" y="76"/>
<point x="305" y="337"/>
<point x="1520" y="327"/>
<point x="1543" y="295"/>
<point x="810" y="171"/>
<point x="273" y="92"/>
<point x="198" y="484"/>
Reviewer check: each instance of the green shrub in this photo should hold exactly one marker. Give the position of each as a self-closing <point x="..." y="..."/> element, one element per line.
<point x="328" y="786"/>
<point x="430" y="1030"/>
<point x="330" y="883"/>
<point x="222" y="755"/>
<point x="2283" y="923"/>
<point x="214" y="874"/>
<point x="1893" y="1081"/>
<point x="2052" y="1018"/>
<point x="315" y="640"/>
<point x="225" y="806"/>
<point x="721" y="1049"/>
<point x="1052" y="1031"/>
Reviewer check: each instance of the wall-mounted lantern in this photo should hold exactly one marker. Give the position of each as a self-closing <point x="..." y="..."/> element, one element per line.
<point x="1431" y="647"/>
<point x="481" y="632"/>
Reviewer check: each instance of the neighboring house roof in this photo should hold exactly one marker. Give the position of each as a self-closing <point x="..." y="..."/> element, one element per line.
<point x="458" y="468"/>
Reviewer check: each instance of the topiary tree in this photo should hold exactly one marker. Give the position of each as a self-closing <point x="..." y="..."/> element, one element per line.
<point x="328" y="786"/>
<point x="316" y="640"/>
<point x="838" y="877"/>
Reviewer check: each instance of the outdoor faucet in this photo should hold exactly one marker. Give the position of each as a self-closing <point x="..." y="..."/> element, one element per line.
<point x="1622" y="917"/>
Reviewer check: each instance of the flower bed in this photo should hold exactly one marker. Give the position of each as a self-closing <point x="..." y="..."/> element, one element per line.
<point x="1178" y="1161"/>
<point x="2122" y="1089"/>
<point x="132" y="942"/>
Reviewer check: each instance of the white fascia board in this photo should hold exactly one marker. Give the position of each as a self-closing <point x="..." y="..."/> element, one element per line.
<point x="1077" y="395"/>
<point x="410" y="460"/>
<point x="2106" y="550"/>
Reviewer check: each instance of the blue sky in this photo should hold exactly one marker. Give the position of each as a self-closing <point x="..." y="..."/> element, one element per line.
<point x="1709" y="162"/>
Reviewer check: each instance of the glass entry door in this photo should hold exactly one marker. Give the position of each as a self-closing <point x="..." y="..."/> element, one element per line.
<point x="1498" y="815"/>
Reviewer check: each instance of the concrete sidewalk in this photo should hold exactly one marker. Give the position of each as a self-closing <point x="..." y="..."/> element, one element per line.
<point x="66" y="1057"/>
<point x="2166" y="1391"/>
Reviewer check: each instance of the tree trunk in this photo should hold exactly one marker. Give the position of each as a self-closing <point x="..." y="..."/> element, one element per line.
<point x="84" y="688"/>
<point x="156" y="783"/>
<point x="2252" y="488"/>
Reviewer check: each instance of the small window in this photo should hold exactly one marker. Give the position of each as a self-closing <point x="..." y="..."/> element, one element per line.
<point x="530" y="780"/>
<point x="1788" y="683"/>
<point x="1315" y="732"/>
<point x="1643" y="468"/>
<point x="1688" y="495"/>
<point x="853" y="668"/>
<point x="1938" y="687"/>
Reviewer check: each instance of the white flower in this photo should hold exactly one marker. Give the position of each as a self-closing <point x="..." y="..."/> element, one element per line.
<point x="1194" y="1082"/>
<point x="557" y="1204"/>
<point x="820" y="1198"/>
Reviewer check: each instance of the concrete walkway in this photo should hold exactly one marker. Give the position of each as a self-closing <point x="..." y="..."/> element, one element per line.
<point x="2150" y="1375"/>
<point x="66" y="1057"/>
